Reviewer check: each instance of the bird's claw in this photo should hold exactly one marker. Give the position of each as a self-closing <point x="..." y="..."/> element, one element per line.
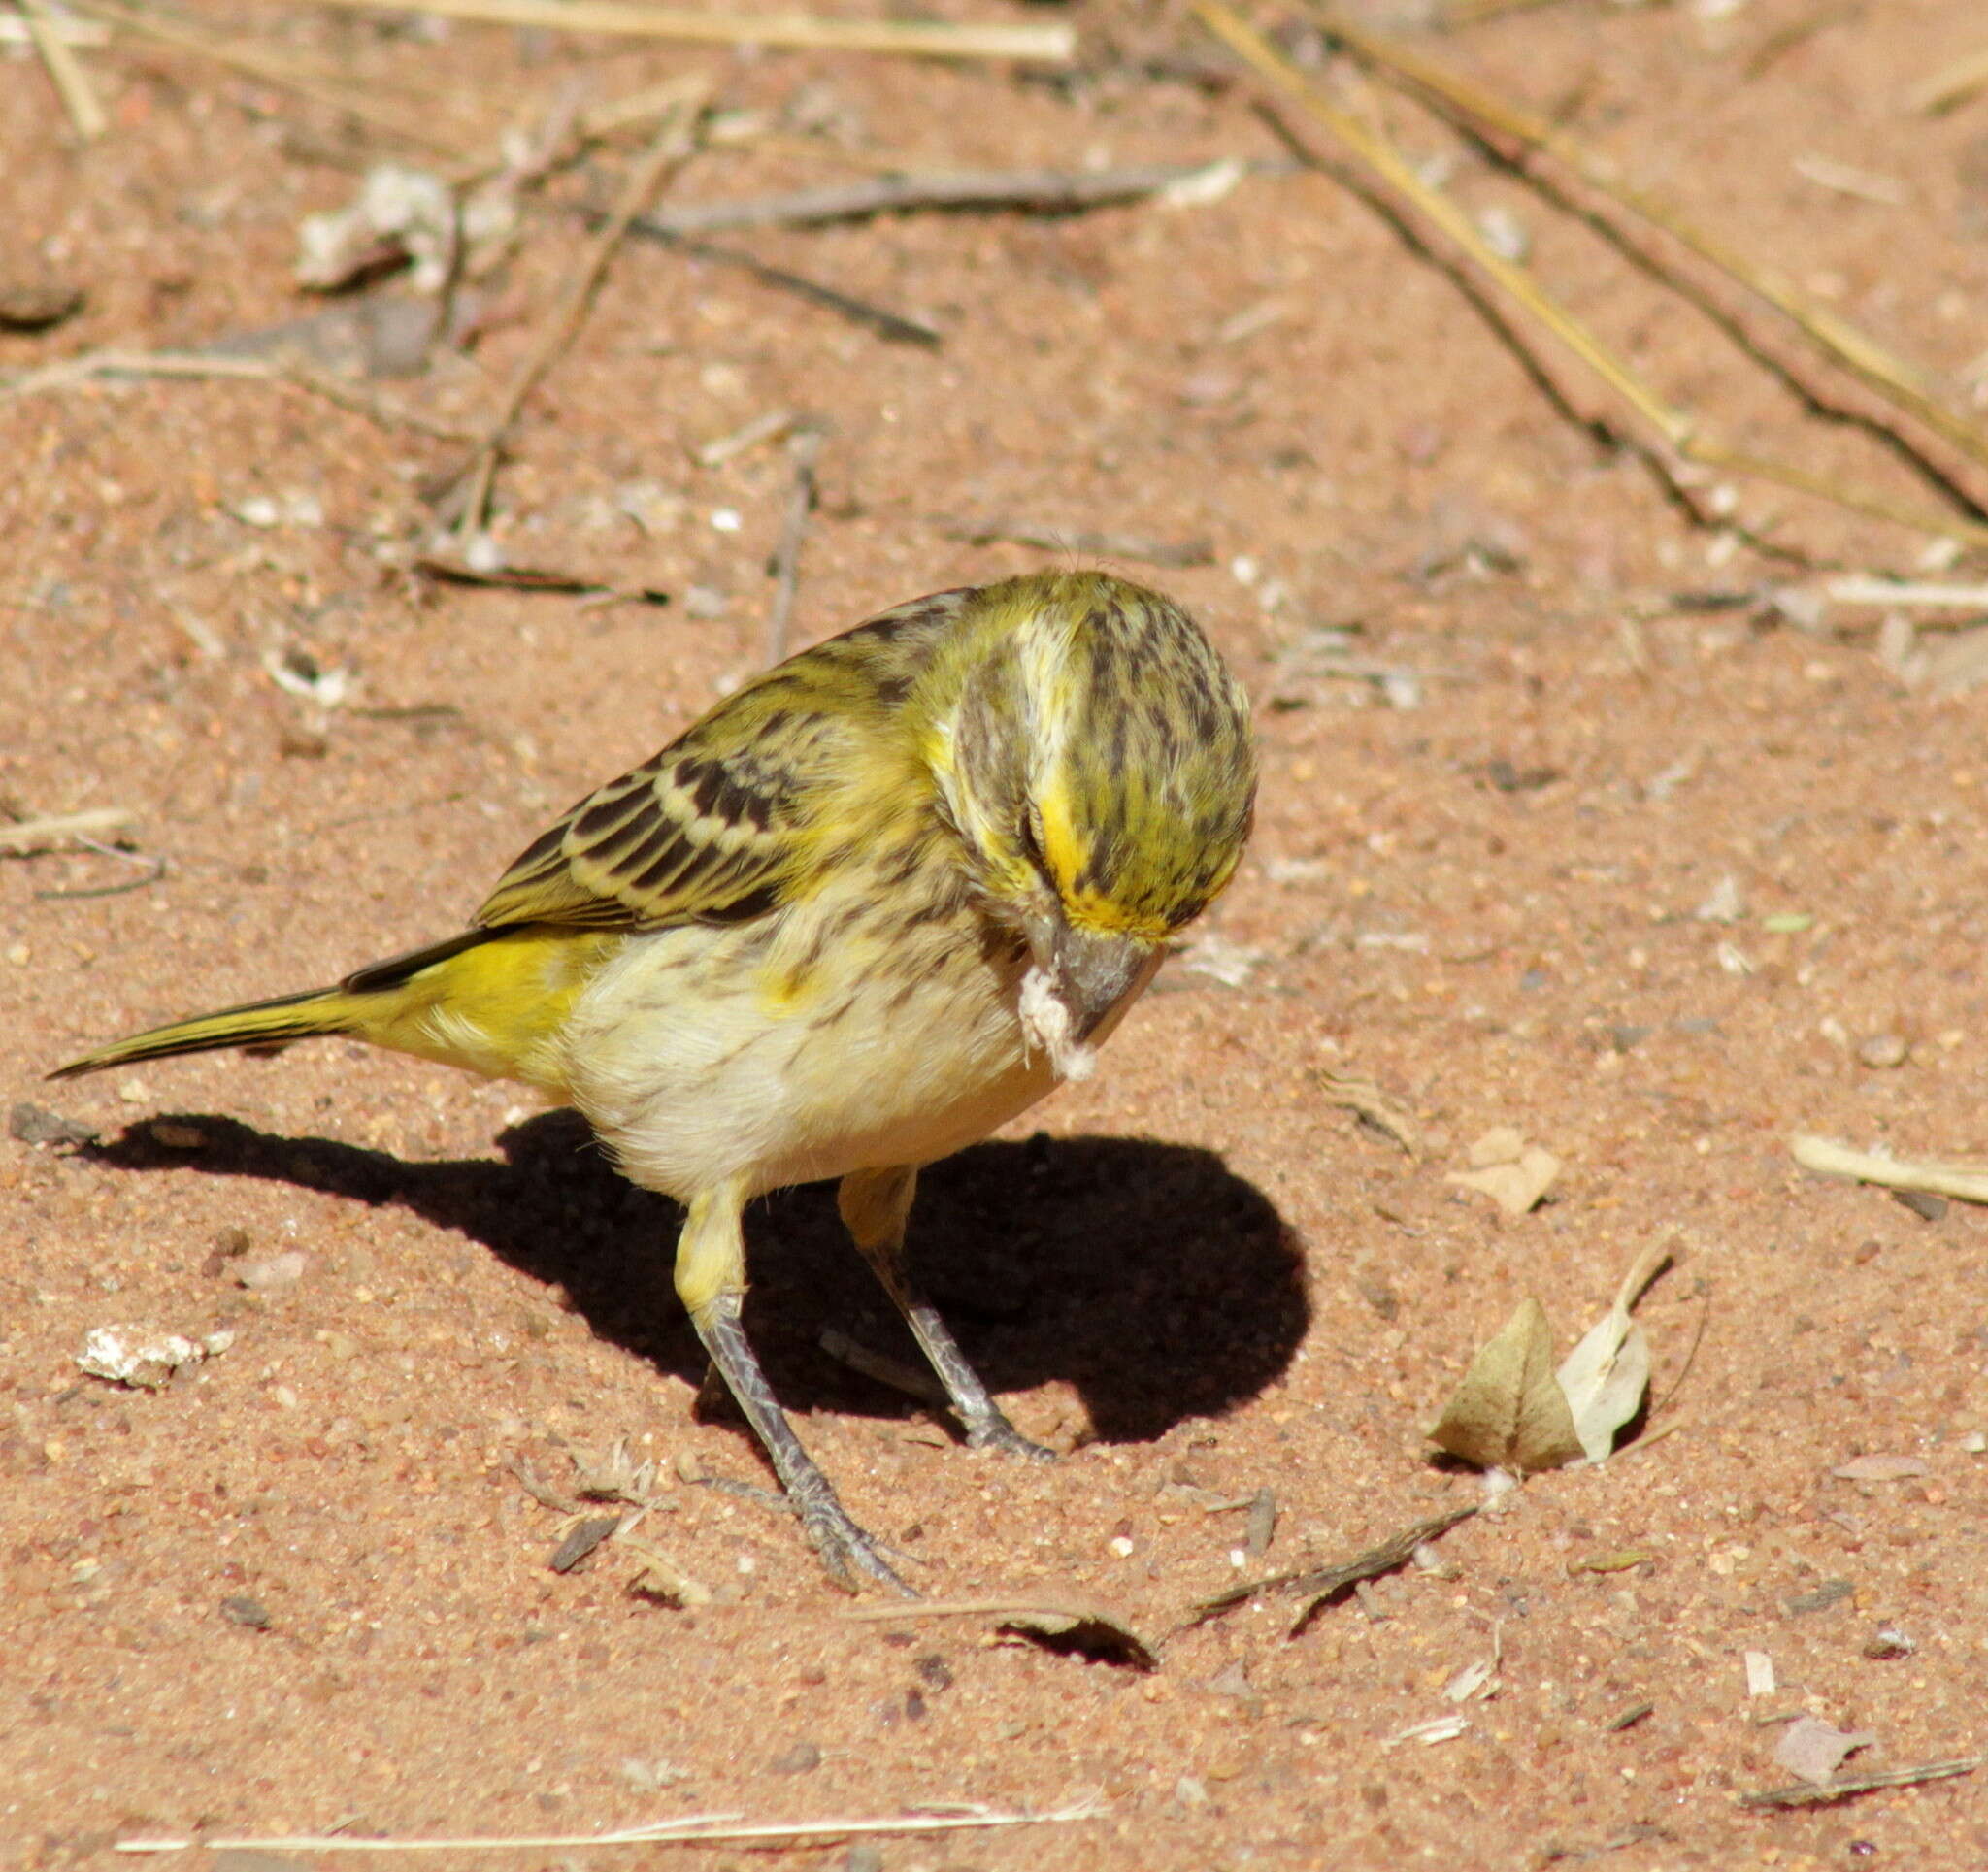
<point x="998" y="1433"/>
<point x="853" y="1557"/>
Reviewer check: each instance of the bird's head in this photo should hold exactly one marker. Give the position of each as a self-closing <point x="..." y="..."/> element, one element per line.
<point x="1095" y="756"/>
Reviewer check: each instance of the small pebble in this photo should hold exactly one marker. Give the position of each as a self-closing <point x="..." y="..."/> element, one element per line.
<point x="1923" y="1203"/>
<point x="276" y="1275"/>
<point x="803" y="1758"/>
<point x="1883" y="1050"/>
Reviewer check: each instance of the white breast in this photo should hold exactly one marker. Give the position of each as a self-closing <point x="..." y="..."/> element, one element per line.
<point x="696" y="1073"/>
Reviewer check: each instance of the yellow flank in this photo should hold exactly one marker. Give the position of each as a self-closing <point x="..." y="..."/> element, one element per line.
<point x="496" y="1009"/>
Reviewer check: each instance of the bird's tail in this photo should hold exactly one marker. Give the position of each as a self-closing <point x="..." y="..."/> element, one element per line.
<point x="289" y="1017"/>
<point x="489" y="1000"/>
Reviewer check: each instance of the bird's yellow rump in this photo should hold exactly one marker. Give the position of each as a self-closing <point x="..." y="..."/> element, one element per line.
<point x="867" y="909"/>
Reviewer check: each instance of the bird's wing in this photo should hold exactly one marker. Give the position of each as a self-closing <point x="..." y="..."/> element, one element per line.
<point x="719" y="826"/>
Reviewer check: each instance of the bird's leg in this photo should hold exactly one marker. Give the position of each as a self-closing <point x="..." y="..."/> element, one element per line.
<point x="875" y="1205"/>
<point x="710" y="1280"/>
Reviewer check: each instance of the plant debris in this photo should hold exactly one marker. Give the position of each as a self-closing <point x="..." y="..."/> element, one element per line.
<point x="1882" y="1468"/>
<point x="1372" y="1106"/>
<point x="142" y="1359"/>
<point x="581" y="1540"/>
<point x="1513" y="1411"/>
<point x="665" y="1579"/>
<point x="693" y="1829"/>
<point x="1319" y="1585"/>
<point x="1607" y="1376"/>
<point x="1813" y="1750"/>
<point x="23" y="837"/>
<point x="1061" y="1623"/>
<point x="1509" y="1411"/>
<point x="1511" y="1172"/>
<point x="1807" y="1794"/>
<point x="453" y="567"/>
<point x="1964" y="1179"/>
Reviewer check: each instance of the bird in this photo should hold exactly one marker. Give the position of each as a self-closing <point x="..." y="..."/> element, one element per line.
<point x="868" y="909"/>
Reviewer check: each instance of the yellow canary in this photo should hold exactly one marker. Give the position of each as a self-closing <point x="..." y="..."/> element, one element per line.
<point x="867" y="909"/>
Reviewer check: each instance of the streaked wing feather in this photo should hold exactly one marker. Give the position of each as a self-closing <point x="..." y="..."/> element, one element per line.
<point x="717" y="828"/>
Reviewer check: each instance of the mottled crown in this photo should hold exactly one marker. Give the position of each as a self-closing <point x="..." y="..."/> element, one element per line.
<point x="1087" y="736"/>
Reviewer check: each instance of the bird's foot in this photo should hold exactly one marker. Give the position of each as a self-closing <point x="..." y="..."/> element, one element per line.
<point x="853" y="1555"/>
<point x="996" y="1433"/>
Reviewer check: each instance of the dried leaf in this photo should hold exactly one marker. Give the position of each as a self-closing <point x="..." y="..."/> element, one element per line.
<point x="581" y="1540"/>
<point x="1606" y="1375"/>
<point x="1882" y="1468"/>
<point x="1511" y="1172"/>
<point x="1814" y="1749"/>
<point x="1510" y="1412"/>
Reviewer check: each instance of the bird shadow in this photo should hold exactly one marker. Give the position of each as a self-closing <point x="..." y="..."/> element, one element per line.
<point x="1148" y="1275"/>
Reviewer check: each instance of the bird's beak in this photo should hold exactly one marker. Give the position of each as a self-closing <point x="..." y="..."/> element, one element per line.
<point x="1096" y="973"/>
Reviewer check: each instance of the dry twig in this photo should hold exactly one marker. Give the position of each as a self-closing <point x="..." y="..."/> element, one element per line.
<point x="1951" y="85"/>
<point x="1318" y="1584"/>
<point x="1808" y="1793"/>
<point x="1045" y="191"/>
<point x="1479" y="112"/>
<point x="912" y="1380"/>
<point x="1045" y="44"/>
<point x="1676" y="429"/>
<point x="885" y="323"/>
<point x="673" y="145"/>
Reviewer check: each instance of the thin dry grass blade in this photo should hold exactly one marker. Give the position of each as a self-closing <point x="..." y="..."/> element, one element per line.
<point x="65" y="70"/>
<point x="1901" y="382"/>
<point x="1048" y="44"/>
<point x="1952" y="84"/>
<point x="690" y="1829"/>
<point x="1474" y="13"/>
<point x="1677" y="428"/>
<point x="673" y="145"/>
<point x="273" y="65"/>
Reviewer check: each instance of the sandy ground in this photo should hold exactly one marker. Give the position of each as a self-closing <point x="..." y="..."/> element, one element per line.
<point x="1564" y="828"/>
